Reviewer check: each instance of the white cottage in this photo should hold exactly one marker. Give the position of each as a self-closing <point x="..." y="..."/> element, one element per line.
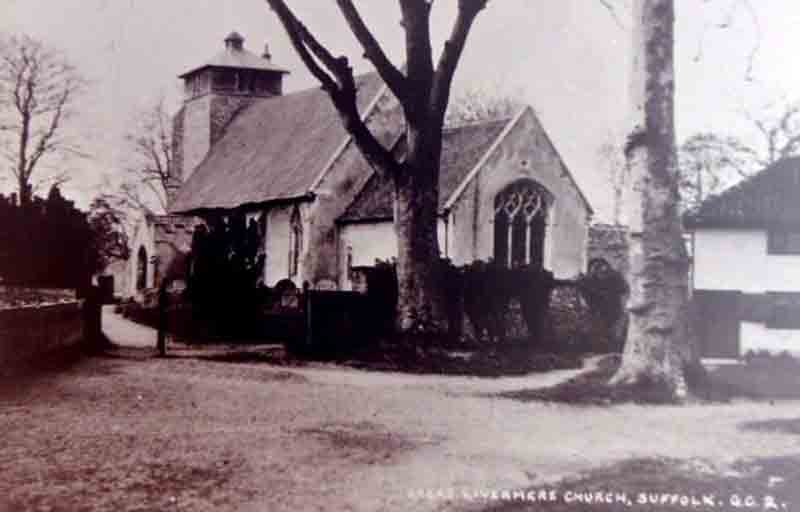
<point x="746" y="264"/>
<point x="285" y="161"/>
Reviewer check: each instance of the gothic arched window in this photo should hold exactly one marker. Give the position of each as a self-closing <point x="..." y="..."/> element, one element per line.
<point x="141" y="269"/>
<point x="520" y="214"/>
<point x="295" y="242"/>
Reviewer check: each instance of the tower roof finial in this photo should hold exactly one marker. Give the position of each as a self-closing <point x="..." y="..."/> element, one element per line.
<point x="234" y="41"/>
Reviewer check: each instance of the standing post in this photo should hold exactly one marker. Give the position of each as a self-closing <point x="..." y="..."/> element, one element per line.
<point x="161" y="341"/>
<point x="309" y="337"/>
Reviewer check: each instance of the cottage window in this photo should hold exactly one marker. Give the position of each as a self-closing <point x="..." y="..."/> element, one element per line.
<point x="295" y="242"/>
<point x="519" y="224"/>
<point x="141" y="269"/>
<point x="782" y="241"/>
<point x="784" y="310"/>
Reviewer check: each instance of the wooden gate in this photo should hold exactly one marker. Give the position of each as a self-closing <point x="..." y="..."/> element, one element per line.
<point x="716" y="322"/>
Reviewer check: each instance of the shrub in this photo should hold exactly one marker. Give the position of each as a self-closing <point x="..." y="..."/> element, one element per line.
<point x="483" y="292"/>
<point x="489" y="290"/>
<point x="382" y="294"/>
<point x="29" y="235"/>
<point x="226" y="265"/>
<point x="766" y="359"/>
<point x="605" y="290"/>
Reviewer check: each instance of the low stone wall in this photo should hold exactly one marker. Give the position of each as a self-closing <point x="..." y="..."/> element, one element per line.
<point x="28" y="333"/>
<point x="609" y="243"/>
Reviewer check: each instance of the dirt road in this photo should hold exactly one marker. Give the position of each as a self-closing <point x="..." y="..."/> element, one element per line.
<point x="127" y="431"/>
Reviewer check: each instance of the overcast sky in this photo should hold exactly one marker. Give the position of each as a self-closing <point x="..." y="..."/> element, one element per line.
<point x="568" y="58"/>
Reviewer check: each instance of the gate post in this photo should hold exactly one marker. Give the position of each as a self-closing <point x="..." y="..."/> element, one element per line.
<point x="161" y="340"/>
<point x="309" y="335"/>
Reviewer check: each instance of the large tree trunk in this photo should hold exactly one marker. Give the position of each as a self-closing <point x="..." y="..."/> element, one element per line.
<point x="420" y="307"/>
<point x="658" y="350"/>
<point x="25" y="193"/>
<point x="423" y="91"/>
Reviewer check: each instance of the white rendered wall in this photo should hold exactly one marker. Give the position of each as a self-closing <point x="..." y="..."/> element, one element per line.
<point x="755" y="337"/>
<point x="735" y="259"/>
<point x="727" y="259"/>
<point x="372" y="241"/>
<point x="276" y="266"/>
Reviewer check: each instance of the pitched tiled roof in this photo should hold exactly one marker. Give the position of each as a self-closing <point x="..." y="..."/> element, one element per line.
<point x="239" y="58"/>
<point x="768" y="198"/>
<point x="462" y="149"/>
<point x="272" y="151"/>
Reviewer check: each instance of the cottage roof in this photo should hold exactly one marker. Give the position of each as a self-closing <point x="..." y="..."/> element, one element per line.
<point x="273" y="150"/>
<point x="768" y="198"/>
<point x="462" y="149"/>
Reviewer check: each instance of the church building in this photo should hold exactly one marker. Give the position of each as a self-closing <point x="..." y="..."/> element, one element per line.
<point x="286" y="162"/>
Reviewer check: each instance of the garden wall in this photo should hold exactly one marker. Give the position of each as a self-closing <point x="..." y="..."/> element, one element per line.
<point x="28" y="333"/>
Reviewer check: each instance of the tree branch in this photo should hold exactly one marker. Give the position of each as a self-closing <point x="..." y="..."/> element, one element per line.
<point x="341" y="89"/>
<point x="419" y="60"/>
<point x="467" y="12"/>
<point x="43" y="145"/>
<point x="38" y="86"/>
<point x="295" y="30"/>
<point x="610" y="8"/>
<point x="392" y="76"/>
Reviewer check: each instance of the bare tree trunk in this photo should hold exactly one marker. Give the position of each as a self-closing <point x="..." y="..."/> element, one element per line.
<point x="25" y="193"/>
<point x="420" y="305"/>
<point x="423" y="91"/>
<point x="658" y="350"/>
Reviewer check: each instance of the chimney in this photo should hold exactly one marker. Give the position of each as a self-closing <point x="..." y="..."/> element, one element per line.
<point x="266" y="55"/>
<point x="234" y="42"/>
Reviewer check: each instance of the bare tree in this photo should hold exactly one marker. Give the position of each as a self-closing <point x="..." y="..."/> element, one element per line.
<point x="709" y="163"/>
<point x="37" y="89"/>
<point x="423" y="91"/>
<point x="658" y="352"/>
<point x="779" y="133"/>
<point x="479" y="104"/>
<point x="150" y="182"/>
<point x="109" y="236"/>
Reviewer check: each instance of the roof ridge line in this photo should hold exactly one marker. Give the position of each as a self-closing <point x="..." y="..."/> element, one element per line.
<point x="346" y="142"/>
<point x="497" y="120"/>
<point x="474" y="171"/>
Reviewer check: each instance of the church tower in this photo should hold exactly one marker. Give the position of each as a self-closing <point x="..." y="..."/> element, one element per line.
<point x="214" y="93"/>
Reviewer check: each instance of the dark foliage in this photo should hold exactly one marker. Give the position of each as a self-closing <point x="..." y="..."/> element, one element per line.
<point x="562" y="316"/>
<point x="483" y="360"/>
<point x="382" y="293"/>
<point x="481" y="291"/>
<point x="489" y="289"/>
<point x="592" y="388"/>
<point x="225" y="267"/>
<point x="605" y="291"/>
<point x="569" y="327"/>
<point x="47" y="243"/>
<point x="392" y="355"/>
<point x="109" y="239"/>
<point x="339" y="322"/>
